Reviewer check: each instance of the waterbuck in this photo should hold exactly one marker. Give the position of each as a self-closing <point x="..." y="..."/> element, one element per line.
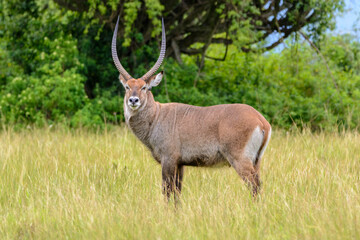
<point x="181" y="135"/>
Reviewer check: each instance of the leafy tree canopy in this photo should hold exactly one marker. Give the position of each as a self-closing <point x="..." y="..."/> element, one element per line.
<point x="245" y="23"/>
<point x="56" y="66"/>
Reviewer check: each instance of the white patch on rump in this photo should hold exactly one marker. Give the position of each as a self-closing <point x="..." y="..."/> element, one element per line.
<point x="267" y="142"/>
<point x="254" y="144"/>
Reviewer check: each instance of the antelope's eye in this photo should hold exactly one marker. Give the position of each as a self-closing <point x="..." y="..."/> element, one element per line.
<point x="143" y="88"/>
<point x="127" y="87"/>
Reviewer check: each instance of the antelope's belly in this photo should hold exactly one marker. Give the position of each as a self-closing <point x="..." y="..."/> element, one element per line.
<point x="202" y="156"/>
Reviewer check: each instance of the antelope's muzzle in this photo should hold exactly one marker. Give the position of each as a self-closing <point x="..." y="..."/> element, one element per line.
<point x="134" y="102"/>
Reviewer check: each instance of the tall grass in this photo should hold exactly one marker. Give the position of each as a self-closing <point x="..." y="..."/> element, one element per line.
<point x="57" y="184"/>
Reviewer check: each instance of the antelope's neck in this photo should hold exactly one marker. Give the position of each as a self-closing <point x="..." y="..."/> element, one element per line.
<point x="141" y="122"/>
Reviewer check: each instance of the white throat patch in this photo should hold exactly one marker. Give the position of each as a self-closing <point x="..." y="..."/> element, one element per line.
<point x="128" y="112"/>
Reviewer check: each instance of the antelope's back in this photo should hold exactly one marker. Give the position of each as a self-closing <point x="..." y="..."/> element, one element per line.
<point x="204" y="133"/>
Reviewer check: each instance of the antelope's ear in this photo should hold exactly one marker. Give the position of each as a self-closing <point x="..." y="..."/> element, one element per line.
<point x="122" y="80"/>
<point x="155" y="80"/>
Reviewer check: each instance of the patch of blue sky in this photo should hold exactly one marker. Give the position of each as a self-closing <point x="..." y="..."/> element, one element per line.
<point x="347" y="22"/>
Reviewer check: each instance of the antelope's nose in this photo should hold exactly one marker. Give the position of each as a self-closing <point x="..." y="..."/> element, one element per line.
<point x="133" y="100"/>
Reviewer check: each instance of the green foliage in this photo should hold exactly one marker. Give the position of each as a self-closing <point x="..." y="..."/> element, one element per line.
<point x="154" y="9"/>
<point x="131" y="10"/>
<point x="326" y="11"/>
<point x="60" y="70"/>
<point x="43" y="83"/>
<point x="104" y="108"/>
<point x="291" y="88"/>
<point x="54" y="91"/>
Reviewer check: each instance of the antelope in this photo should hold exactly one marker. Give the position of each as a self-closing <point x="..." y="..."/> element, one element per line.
<point x="179" y="135"/>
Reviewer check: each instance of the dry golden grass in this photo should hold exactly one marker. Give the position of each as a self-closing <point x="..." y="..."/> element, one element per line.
<point x="57" y="184"/>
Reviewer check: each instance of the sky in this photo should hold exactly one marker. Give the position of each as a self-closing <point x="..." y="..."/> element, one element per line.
<point x="349" y="20"/>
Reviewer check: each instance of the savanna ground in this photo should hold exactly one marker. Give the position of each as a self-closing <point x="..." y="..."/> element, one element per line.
<point x="76" y="184"/>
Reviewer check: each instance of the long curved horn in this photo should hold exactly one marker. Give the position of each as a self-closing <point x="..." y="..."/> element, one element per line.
<point x="118" y="65"/>
<point x="161" y="56"/>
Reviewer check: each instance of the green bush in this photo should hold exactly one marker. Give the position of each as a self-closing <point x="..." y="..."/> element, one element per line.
<point x="60" y="71"/>
<point x="291" y="88"/>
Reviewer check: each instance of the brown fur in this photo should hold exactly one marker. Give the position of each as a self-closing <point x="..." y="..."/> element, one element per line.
<point x="181" y="135"/>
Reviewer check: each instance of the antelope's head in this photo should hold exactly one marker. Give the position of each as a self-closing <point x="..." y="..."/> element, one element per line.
<point x="137" y="89"/>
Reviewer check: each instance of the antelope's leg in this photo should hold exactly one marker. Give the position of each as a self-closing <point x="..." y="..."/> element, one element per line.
<point x="168" y="177"/>
<point x="246" y="170"/>
<point x="257" y="174"/>
<point x="178" y="181"/>
<point x="179" y="178"/>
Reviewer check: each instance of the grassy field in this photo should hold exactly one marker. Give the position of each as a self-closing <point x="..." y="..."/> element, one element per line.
<point x="61" y="184"/>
